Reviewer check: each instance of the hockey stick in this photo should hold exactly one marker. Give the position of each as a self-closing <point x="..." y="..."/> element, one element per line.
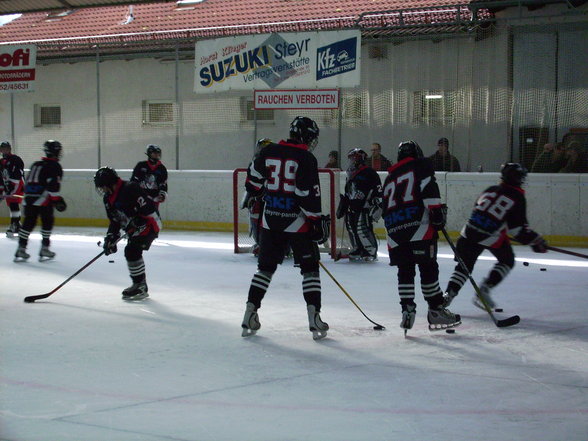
<point x="31" y="299"/>
<point x="571" y="253"/>
<point x="510" y="321"/>
<point x="378" y="327"/>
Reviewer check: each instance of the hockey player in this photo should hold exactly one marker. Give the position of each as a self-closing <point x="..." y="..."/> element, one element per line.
<point x="128" y="208"/>
<point x="12" y="182"/>
<point x="286" y="174"/>
<point x="41" y="195"/>
<point x="152" y="175"/>
<point x="361" y="207"/>
<point x="501" y="210"/>
<point x="412" y="214"/>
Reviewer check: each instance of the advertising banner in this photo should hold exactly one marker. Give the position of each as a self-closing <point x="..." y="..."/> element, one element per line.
<point x="17" y="68"/>
<point x="278" y="61"/>
<point x="296" y="99"/>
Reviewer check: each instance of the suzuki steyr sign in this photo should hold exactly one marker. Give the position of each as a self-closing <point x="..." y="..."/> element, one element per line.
<point x="17" y="68"/>
<point x="278" y="61"/>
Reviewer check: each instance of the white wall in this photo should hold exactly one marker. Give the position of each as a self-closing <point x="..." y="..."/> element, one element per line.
<point x="557" y="204"/>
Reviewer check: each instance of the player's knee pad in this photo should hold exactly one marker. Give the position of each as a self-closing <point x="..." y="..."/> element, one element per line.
<point x="406" y="273"/>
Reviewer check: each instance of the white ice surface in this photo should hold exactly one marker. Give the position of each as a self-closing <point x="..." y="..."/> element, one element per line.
<point x="83" y="365"/>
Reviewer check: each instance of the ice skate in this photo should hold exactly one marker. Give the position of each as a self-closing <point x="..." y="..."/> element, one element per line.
<point x="21" y="255"/>
<point x="485" y="298"/>
<point x="316" y="325"/>
<point x="448" y="298"/>
<point x="441" y="318"/>
<point x="370" y="258"/>
<point x="13" y="230"/>
<point x="408" y="316"/>
<point x="250" y="323"/>
<point x="137" y="291"/>
<point x="46" y="254"/>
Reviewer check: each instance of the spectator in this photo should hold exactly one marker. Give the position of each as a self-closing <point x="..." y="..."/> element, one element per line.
<point x="550" y="160"/>
<point x="333" y="160"/>
<point x="378" y="161"/>
<point x="442" y="159"/>
<point x="575" y="157"/>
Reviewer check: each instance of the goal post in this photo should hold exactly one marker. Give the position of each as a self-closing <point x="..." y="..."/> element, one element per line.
<point x="330" y="189"/>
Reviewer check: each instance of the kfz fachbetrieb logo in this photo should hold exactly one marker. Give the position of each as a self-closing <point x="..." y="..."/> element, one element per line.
<point x="336" y="59"/>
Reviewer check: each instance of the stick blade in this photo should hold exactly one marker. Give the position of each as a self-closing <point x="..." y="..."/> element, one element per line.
<point x="510" y="321"/>
<point x="31" y="299"/>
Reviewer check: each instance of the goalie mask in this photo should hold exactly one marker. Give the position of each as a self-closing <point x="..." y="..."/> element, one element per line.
<point x="305" y="130"/>
<point x="52" y="149"/>
<point x="105" y="179"/>
<point x="513" y="174"/>
<point x="357" y="158"/>
<point x="409" y="149"/>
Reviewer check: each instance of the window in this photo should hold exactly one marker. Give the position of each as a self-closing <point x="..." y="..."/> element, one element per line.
<point x="433" y="107"/>
<point x="158" y="112"/>
<point x="248" y="112"/>
<point x="47" y="115"/>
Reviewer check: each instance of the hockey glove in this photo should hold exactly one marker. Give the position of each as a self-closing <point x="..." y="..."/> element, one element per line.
<point x="110" y="243"/>
<point x="136" y="226"/>
<point x="60" y="204"/>
<point x="438" y="217"/>
<point x="320" y="229"/>
<point x="539" y="245"/>
<point x="343" y="206"/>
<point x="161" y="197"/>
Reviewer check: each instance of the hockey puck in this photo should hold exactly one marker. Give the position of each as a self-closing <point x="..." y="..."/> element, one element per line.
<point x="450" y="331"/>
<point x="543" y="269"/>
<point x="111" y="261"/>
<point x="498" y="310"/>
<point x="526" y="263"/>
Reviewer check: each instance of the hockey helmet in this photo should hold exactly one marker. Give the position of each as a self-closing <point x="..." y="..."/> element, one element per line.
<point x="153" y="149"/>
<point x="52" y="149"/>
<point x="105" y="177"/>
<point x="305" y="129"/>
<point x="513" y="173"/>
<point x="409" y="149"/>
<point x="5" y="148"/>
<point x="262" y="143"/>
<point x="357" y="156"/>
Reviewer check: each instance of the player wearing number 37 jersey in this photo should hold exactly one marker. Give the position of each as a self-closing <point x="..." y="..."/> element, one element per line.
<point x="500" y="212"/>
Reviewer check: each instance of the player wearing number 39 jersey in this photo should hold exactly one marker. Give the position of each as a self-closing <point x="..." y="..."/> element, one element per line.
<point x="286" y="176"/>
<point x="412" y="214"/>
<point x="500" y="212"/>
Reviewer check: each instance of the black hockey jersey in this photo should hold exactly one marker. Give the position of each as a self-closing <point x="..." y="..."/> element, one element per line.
<point x="127" y="202"/>
<point x="500" y="211"/>
<point x="362" y="188"/>
<point x="151" y="177"/>
<point x="43" y="182"/>
<point x="286" y="174"/>
<point x="410" y="191"/>
<point x="11" y="175"/>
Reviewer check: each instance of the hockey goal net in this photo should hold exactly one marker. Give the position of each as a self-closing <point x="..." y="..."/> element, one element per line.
<point x="330" y="189"/>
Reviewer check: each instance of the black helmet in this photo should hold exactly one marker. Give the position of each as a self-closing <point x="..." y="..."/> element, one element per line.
<point x="5" y="144"/>
<point x="105" y="177"/>
<point x="305" y="129"/>
<point x="409" y="149"/>
<point x="357" y="156"/>
<point x="52" y="149"/>
<point x="513" y="173"/>
<point x="152" y="148"/>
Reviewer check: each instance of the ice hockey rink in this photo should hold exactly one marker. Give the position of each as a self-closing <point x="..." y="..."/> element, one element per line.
<point x="83" y="365"/>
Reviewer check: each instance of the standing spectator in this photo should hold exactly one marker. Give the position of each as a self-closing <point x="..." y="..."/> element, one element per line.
<point x="575" y="157"/>
<point x="500" y="212"/>
<point x="551" y="160"/>
<point x="128" y="208"/>
<point x="442" y="159"/>
<point x="361" y="207"/>
<point x="287" y="173"/>
<point x="333" y="160"/>
<point x="412" y="214"/>
<point x="152" y="175"/>
<point x="41" y="194"/>
<point x="11" y="185"/>
<point x="378" y="161"/>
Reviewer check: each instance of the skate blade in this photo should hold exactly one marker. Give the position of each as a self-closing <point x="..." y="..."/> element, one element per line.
<point x="20" y="259"/>
<point x="318" y="335"/>
<point x="45" y="258"/>
<point x="248" y="332"/>
<point x="135" y="298"/>
<point x="441" y="327"/>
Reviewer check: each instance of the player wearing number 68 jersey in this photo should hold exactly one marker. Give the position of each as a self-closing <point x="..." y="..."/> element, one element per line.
<point x="500" y="212"/>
